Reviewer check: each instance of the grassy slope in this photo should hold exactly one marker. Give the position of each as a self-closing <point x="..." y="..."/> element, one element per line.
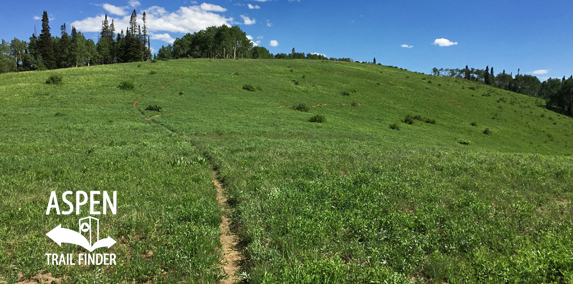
<point x="346" y="200"/>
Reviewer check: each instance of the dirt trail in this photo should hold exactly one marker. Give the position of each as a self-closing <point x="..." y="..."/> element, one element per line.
<point x="229" y="241"/>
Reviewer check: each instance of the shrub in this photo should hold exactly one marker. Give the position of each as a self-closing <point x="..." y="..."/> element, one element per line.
<point x="295" y="82"/>
<point x="472" y="88"/>
<point x="318" y="118"/>
<point x="464" y="142"/>
<point x="291" y="70"/>
<point x="301" y="107"/>
<point x="487" y="132"/>
<point x="345" y="93"/>
<point x="474" y="124"/>
<point x="54" y="79"/>
<point x="237" y="73"/>
<point x="303" y="76"/>
<point x="439" y="85"/>
<point x="152" y="72"/>
<point x="125" y="85"/>
<point x="408" y="119"/>
<point x="153" y="108"/>
<point x="249" y="87"/>
<point x="138" y="65"/>
<point x="424" y="78"/>
<point x="180" y="93"/>
<point x="429" y="82"/>
<point x="259" y="88"/>
<point x="395" y="126"/>
<point x="153" y="61"/>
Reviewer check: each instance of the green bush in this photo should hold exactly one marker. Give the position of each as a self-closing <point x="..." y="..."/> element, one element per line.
<point x="318" y="118"/>
<point x="54" y="79"/>
<point x="153" y="108"/>
<point x="301" y="107"/>
<point x="408" y="119"/>
<point x="464" y="142"/>
<point x="395" y="126"/>
<point x="125" y="85"/>
<point x="474" y="124"/>
<point x="249" y="87"/>
<point x="345" y="93"/>
<point x="487" y="131"/>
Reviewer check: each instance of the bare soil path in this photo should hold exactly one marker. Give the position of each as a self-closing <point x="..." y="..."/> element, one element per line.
<point x="229" y="241"/>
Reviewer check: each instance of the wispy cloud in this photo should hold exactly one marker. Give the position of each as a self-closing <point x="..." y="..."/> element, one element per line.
<point x="406" y="46"/>
<point x="255" y="43"/>
<point x="160" y="22"/>
<point x="253" y="6"/>
<point x="247" y="20"/>
<point x="212" y="7"/>
<point x="37" y="18"/>
<point x="540" y="72"/>
<point x="164" y="37"/>
<point x="114" y="10"/>
<point x="444" y="42"/>
<point x="274" y="43"/>
<point x="269" y="24"/>
<point x="134" y="3"/>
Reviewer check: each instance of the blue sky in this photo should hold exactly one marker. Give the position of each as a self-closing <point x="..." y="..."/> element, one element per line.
<point x="535" y="36"/>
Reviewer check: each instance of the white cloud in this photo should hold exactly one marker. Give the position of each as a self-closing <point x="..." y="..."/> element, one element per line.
<point x="319" y="54"/>
<point x="274" y="43"/>
<point x="253" y="6"/>
<point x="406" y="46"/>
<point x="255" y="43"/>
<point x="134" y="3"/>
<point x="260" y="37"/>
<point x="269" y="24"/>
<point x="247" y="20"/>
<point x="212" y="7"/>
<point x="261" y="0"/>
<point x="444" y="42"/>
<point x="540" y="72"/>
<point x="37" y="18"/>
<point x="185" y="20"/>
<point x="164" y="37"/>
<point x="115" y="10"/>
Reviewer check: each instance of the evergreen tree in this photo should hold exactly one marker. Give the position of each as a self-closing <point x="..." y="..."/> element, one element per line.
<point x="63" y="54"/>
<point x="45" y="45"/>
<point x="467" y="72"/>
<point x="486" y="76"/>
<point x="374" y="60"/>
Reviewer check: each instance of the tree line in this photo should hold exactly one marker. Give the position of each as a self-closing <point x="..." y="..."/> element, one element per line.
<point x="73" y="50"/>
<point x="226" y="43"/>
<point x="557" y="93"/>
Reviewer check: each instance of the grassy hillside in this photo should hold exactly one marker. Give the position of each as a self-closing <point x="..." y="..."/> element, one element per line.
<point x="346" y="200"/>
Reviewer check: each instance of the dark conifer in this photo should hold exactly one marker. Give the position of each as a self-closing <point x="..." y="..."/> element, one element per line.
<point x="45" y="45"/>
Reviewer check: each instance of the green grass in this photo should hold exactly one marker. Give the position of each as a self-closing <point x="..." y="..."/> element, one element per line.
<point x="345" y="201"/>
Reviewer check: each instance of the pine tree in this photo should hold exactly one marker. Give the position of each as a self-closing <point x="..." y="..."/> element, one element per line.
<point x="64" y="48"/>
<point x="486" y="75"/>
<point x="491" y="76"/>
<point x="45" y="46"/>
<point x="374" y="60"/>
<point x="467" y="73"/>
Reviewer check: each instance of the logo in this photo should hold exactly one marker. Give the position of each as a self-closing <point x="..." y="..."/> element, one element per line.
<point x="62" y="235"/>
<point x="87" y="235"/>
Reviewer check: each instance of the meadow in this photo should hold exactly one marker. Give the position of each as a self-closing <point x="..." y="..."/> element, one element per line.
<point x="399" y="183"/>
